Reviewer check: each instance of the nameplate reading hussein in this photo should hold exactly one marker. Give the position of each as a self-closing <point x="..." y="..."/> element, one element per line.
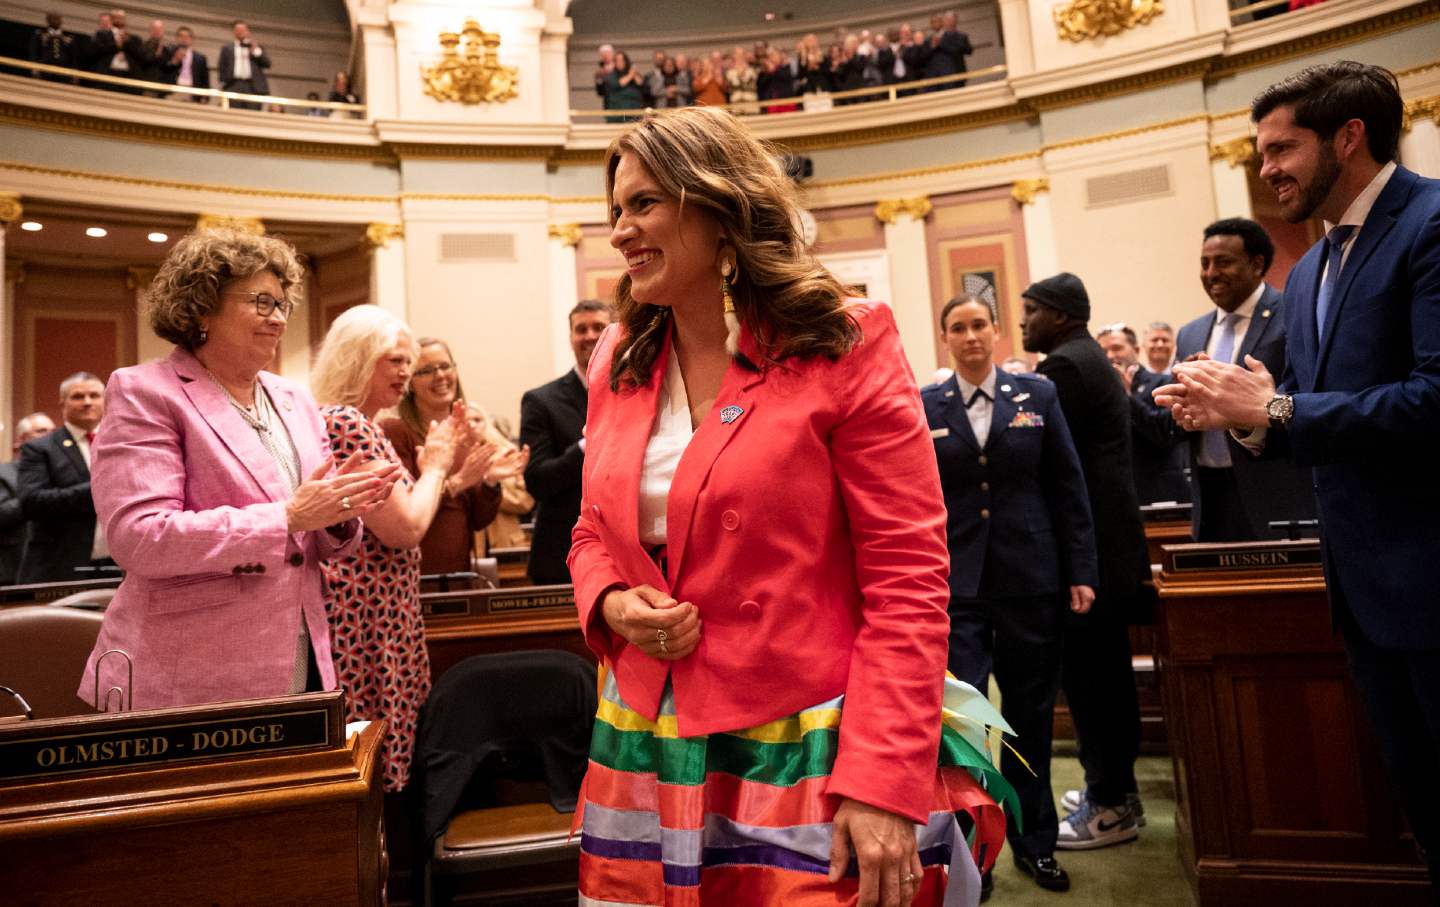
<point x="146" y="739"/>
<point x="497" y="601"/>
<point x="1261" y="556"/>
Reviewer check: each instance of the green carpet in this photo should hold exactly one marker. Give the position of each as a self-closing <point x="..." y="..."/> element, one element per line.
<point x="1142" y="873"/>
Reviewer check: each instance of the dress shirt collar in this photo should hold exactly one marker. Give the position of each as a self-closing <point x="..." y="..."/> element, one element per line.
<point x="1360" y="208"/>
<point x="580" y="373"/>
<point x="1246" y="309"/>
<point x="967" y="390"/>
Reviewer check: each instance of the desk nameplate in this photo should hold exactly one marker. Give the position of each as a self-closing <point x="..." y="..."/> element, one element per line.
<point x="1248" y="558"/>
<point x="141" y="740"/>
<point x="498" y="602"/>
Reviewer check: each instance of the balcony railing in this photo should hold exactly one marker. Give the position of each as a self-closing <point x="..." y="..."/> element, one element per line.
<point x="226" y="98"/>
<point x="1250" y="10"/>
<point x="798" y="103"/>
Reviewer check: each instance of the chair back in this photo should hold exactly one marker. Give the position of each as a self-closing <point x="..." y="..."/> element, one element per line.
<point x="43" y="650"/>
<point x="89" y="600"/>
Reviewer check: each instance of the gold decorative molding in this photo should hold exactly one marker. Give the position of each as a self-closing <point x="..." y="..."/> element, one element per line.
<point x="229" y="222"/>
<point x="10" y="207"/>
<point x="1236" y="152"/>
<point x="888" y="211"/>
<point x="569" y="234"/>
<point x="1418" y="109"/>
<point x="139" y="277"/>
<point x="1127" y="133"/>
<point x="1080" y="20"/>
<point x="474" y="76"/>
<point x="1025" y="191"/>
<point x="922" y="172"/>
<point x="378" y="235"/>
<point x="14" y="270"/>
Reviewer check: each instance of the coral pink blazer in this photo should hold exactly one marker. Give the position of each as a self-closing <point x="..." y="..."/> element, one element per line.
<point x="806" y="523"/>
<point x="194" y="511"/>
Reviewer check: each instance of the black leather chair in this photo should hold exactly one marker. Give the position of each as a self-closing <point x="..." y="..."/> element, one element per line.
<point x="89" y="600"/>
<point x="500" y="752"/>
<point x="43" y="650"/>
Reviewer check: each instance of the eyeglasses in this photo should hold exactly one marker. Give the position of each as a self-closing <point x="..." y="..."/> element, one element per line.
<point x="265" y="303"/>
<point x="439" y="368"/>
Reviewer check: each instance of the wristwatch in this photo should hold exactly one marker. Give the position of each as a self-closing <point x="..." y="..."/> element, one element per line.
<point x="1280" y="409"/>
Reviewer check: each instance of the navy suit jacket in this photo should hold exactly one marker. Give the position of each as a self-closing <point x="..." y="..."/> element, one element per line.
<point x="1018" y="516"/>
<point x="1367" y="413"/>
<point x="225" y="71"/>
<point x="1160" y="458"/>
<point x="1273" y="488"/>
<point x="55" y="497"/>
<point x="552" y="420"/>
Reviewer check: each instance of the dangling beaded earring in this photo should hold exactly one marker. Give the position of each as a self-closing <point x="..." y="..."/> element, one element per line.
<point x="732" y="323"/>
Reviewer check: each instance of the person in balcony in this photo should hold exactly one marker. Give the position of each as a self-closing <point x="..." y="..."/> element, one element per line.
<point x="743" y="82"/>
<point x="116" y="52"/>
<point x="154" y="51"/>
<point x="623" y="88"/>
<point x="186" y="66"/>
<point x="51" y="46"/>
<point x="776" y="80"/>
<point x="342" y="92"/>
<point x="709" y="85"/>
<point x="242" y="66"/>
<point x="948" y="49"/>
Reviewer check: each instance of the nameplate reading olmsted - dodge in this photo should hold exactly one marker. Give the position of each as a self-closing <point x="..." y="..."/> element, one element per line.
<point x="143" y="739"/>
<point x="497" y="601"/>
<point x="1250" y="557"/>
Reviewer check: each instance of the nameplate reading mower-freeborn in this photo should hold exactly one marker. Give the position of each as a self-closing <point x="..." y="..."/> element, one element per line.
<point x="1300" y="555"/>
<point x="496" y="602"/>
<point x="140" y="740"/>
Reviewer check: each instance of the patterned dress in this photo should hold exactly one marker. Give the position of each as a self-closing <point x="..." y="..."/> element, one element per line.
<point x="377" y="635"/>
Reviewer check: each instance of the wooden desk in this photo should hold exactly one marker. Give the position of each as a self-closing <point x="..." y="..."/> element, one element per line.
<point x="44" y="593"/>
<point x="254" y="822"/>
<point x="1280" y="794"/>
<point x="513" y="564"/>
<point x="480" y="622"/>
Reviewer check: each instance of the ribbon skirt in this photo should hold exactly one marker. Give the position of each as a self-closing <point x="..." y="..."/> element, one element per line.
<point x="742" y="817"/>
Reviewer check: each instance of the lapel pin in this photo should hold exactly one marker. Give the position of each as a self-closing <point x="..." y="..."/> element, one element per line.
<point x="949" y="393"/>
<point x="1004" y="388"/>
<point x="730" y="414"/>
<point x="1265" y="314"/>
<point x="67" y="443"/>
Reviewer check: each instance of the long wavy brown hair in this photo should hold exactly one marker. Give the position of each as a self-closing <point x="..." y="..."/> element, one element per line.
<point x="789" y="302"/>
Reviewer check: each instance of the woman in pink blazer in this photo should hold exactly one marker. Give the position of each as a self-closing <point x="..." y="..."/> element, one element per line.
<point x="214" y="487"/>
<point x="760" y="557"/>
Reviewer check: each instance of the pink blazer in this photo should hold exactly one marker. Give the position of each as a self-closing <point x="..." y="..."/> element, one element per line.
<point x="194" y="511"/>
<point x="806" y="523"/>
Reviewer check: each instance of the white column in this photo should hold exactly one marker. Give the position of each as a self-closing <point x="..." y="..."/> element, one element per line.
<point x="387" y="268"/>
<point x="1042" y="255"/>
<point x="382" y="98"/>
<point x="1420" y="147"/>
<point x="1015" y="27"/>
<point x="564" y="292"/>
<point x="909" y="260"/>
<point x="1229" y="163"/>
<point x="148" y="347"/>
<point x="295" y="343"/>
<point x="11" y="275"/>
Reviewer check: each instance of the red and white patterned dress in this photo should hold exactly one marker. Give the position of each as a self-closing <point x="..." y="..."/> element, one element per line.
<point x="377" y="635"/>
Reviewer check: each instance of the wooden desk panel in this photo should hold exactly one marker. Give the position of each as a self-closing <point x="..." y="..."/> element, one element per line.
<point x="1280" y="793"/>
<point x="482" y="622"/>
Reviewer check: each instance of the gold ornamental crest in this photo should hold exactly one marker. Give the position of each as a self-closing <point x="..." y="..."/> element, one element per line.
<point x="471" y="74"/>
<point x="1081" y="19"/>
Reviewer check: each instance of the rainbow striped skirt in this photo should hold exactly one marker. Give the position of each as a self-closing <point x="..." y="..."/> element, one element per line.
<point x="741" y="818"/>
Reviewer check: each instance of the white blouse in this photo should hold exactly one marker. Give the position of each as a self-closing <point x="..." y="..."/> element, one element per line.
<point x="669" y="437"/>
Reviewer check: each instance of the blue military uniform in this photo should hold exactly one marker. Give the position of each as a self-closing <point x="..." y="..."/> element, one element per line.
<point x="1020" y="534"/>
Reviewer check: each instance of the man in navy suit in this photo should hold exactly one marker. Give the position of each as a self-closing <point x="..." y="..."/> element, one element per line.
<point x="1236" y="496"/>
<point x="552" y="423"/>
<point x="185" y="65"/>
<point x="1359" y="399"/>
<point x="55" y="489"/>
<point x="242" y="65"/>
<point x="1022" y="549"/>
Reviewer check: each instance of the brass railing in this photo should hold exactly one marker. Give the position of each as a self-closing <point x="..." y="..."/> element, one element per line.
<point x="84" y="78"/>
<point x="876" y="92"/>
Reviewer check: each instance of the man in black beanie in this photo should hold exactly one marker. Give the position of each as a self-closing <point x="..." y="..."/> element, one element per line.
<point x="1097" y="676"/>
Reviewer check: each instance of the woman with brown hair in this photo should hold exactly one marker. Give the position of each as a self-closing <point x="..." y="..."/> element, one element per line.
<point x="472" y="493"/>
<point x="760" y="561"/>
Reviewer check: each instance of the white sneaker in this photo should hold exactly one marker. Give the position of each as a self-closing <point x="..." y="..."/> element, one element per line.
<point x="1094" y="826"/>
<point x="1072" y="799"/>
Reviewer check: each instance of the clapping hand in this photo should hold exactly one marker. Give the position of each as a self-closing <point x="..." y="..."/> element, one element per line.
<point x="445" y="440"/>
<point x="1209" y="395"/>
<point x="325" y="499"/>
<point x="508" y="465"/>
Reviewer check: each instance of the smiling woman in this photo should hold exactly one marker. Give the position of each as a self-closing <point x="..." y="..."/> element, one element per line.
<point x="214" y="486"/>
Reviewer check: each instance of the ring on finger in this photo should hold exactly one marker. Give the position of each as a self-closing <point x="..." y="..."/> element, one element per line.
<point x="910" y="879"/>
<point x="661" y="636"/>
<point x="345" y="502"/>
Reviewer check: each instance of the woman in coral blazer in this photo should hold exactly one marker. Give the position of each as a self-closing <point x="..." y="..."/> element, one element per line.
<point x="213" y="484"/>
<point x="760" y="557"/>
